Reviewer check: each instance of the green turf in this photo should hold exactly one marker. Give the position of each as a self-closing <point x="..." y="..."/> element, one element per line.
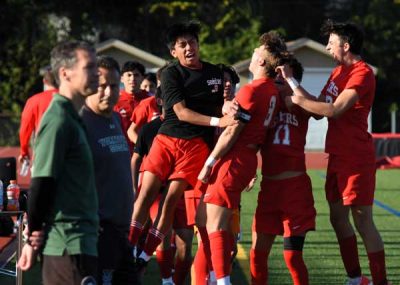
<point x="321" y="250"/>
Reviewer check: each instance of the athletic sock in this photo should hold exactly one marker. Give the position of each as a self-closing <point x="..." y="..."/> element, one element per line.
<point x="200" y="266"/>
<point x="154" y="238"/>
<point x="349" y="253"/>
<point x="377" y="267"/>
<point x="220" y="248"/>
<point x="164" y="260"/>
<point x="297" y="268"/>
<point x="182" y="269"/>
<point x="224" y="281"/>
<point x="259" y="266"/>
<point x="206" y="246"/>
<point x="134" y="232"/>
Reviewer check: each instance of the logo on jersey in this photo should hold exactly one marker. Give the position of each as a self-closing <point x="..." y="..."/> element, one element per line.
<point x="332" y="89"/>
<point x="122" y="112"/>
<point x="215" y="82"/>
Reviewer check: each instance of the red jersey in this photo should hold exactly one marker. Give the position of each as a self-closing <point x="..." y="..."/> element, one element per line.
<point x="126" y="104"/>
<point x="283" y="148"/>
<point x="348" y="135"/>
<point x="258" y="100"/>
<point x="30" y="118"/>
<point x="146" y="111"/>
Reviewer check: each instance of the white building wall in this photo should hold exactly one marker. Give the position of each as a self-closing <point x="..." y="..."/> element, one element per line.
<point x="313" y="81"/>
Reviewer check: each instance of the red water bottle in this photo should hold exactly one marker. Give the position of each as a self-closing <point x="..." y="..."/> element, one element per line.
<point x="13" y="196"/>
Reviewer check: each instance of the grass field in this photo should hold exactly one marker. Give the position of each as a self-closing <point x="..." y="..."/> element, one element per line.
<point x="321" y="250"/>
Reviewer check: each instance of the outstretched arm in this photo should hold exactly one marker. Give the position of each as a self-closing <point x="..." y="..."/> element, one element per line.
<point x="225" y="142"/>
<point x="345" y="100"/>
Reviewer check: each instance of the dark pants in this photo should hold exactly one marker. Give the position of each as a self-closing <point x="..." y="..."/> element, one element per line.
<point x="116" y="263"/>
<point x="69" y="269"/>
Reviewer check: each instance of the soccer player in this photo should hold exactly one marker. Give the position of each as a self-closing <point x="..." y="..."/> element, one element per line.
<point x="131" y="76"/>
<point x="192" y="95"/>
<point x="111" y="159"/>
<point x="202" y="266"/>
<point x="149" y="83"/>
<point x="233" y="162"/>
<point x="33" y="111"/>
<point x="285" y="203"/>
<point x="62" y="198"/>
<point x="146" y="111"/>
<point x="350" y="182"/>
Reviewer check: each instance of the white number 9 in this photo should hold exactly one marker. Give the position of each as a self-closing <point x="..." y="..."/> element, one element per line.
<point x="271" y="109"/>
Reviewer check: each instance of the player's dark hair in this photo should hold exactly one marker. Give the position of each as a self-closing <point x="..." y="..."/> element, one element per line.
<point x="348" y="33"/>
<point x="151" y="76"/>
<point x="275" y="47"/>
<point x="108" y="62"/>
<point x="297" y="68"/>
<point x="133" y="65"/>
<point x="48" y="76"/>
<point x="232" y="72"/>
<point x="181" y="29"/>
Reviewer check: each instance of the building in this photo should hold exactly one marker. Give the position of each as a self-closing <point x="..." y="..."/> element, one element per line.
<point x="123" y="52"/>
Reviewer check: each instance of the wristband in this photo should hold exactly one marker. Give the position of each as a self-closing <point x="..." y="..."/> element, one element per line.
<point x="292" y="83"/>
<point x="214" y="122"/>
<point x="210" y="161"/>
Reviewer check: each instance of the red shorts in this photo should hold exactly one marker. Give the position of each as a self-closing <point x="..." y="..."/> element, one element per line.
<point x="352" y="181"/>
<point x="172" y="158"/>
<point x="180" y="219"/>
<point x="285" y="207"/>
<point x="230" y="176"/>
<point x="192" y="201"/>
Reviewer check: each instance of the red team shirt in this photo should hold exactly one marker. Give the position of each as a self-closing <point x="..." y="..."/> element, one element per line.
<point x="283" y="149"/>
<point x="30" y="119"/>
<point x="126" y="104"/>
<point x="348" y="135"/>
<point x="233" y="172"/>
<point x="146" y="111"/>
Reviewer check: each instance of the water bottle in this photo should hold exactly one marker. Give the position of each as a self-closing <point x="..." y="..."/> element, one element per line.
<point x="1" y="195"/>
<point x="13" y="196"/>
<point x="24" y="167"/>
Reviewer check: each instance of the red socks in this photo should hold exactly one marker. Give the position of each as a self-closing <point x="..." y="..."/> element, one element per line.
<point x="349" y="253"/>
<point x="297" y="268"/>
<point x="220" y="248"/>
<point x="259" y="266"/>
<point x="165" y="260"/>
<point x="200" y="265"/>
<point x="134" y="232"/>
<point x="154" y="238"/>
<point x="377" y="267"/>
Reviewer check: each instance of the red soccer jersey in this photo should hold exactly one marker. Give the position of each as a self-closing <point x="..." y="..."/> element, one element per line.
<point x="348" y="135"/>
<point x="126" y="104"/>
<point x="283" y="148"/>
<point x="30" y="118"/>
<point x="146" y="111"/>
<point x="259" y="99"/>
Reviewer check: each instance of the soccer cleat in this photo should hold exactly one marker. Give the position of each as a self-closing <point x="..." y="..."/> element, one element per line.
<point x="358" y="281"/>
<point x="141" y="265"/>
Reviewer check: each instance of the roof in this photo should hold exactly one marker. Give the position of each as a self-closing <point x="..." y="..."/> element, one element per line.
<point x="292" y="47"/>
<point x="127" y="48"/>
